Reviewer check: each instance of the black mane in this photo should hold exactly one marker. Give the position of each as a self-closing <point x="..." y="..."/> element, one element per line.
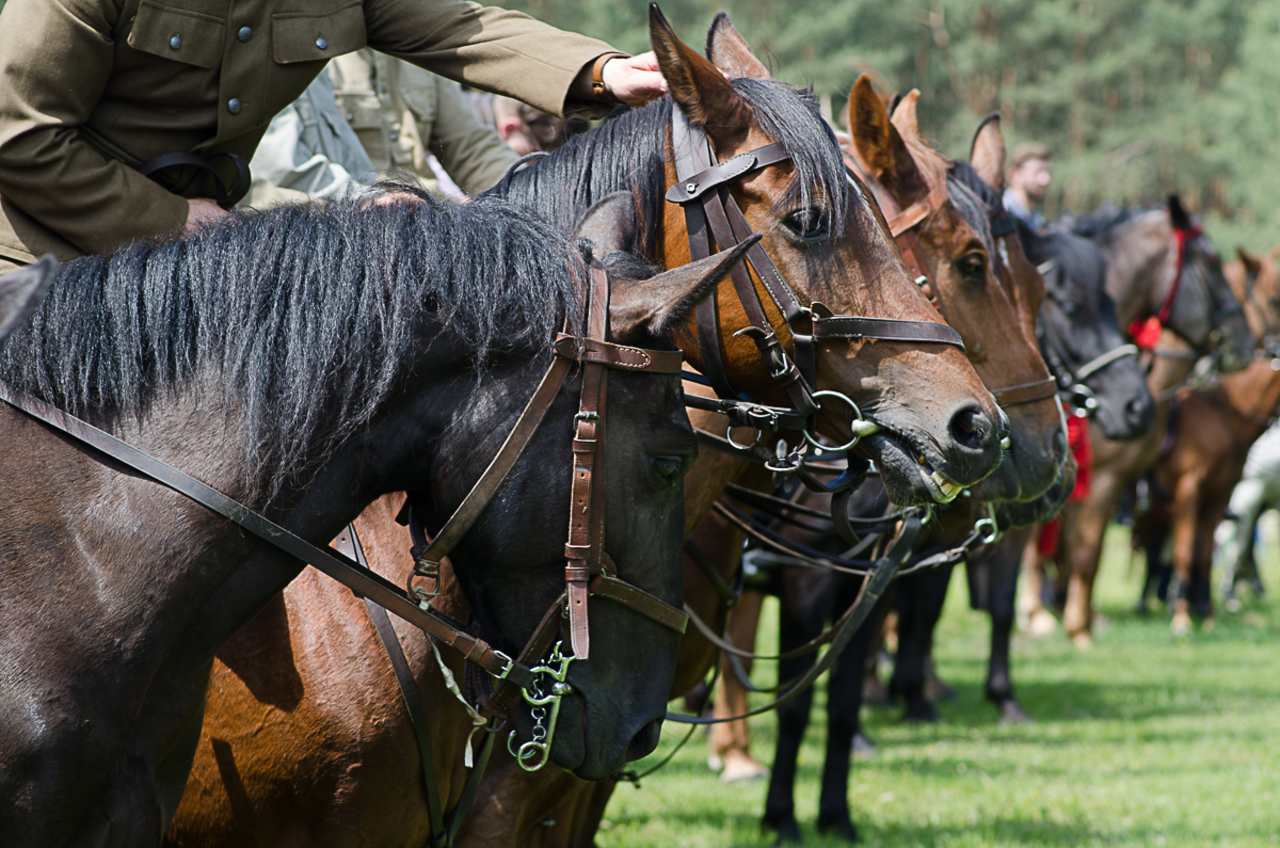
<point x="304" y="316"/>
<point x="1099" y="224"/>
<point x="965" y="174"/>
<point x="626" y="154"/>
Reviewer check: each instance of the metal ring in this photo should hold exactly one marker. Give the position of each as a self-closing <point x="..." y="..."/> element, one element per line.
<point x="857" y="416"/>
<point x="728" y="435"/>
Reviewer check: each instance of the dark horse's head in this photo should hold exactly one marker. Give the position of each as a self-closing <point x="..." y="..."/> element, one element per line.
<point x="1160" y="263"/>
<point x="360" y="349"/>
<point x="512" y="565"/>
<point x="1081" y="337"/>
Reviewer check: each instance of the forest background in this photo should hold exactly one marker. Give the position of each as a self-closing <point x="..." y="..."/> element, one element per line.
<point x="1136" y="100"/>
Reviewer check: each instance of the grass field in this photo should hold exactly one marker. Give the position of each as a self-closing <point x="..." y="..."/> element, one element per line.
<point x="1145" y="740"/>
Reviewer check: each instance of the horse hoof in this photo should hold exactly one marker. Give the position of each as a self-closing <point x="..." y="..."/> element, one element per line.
<point x="740" y="767"/>
<point x="1207" y="625"/>
<point x="921" y="713"/>
<point x="937" y="689"/>
<point x="874" y="694"/>
<point x="1083" y="641"/>
<point x="1232" y="604"/>
<point x="787" y="830"/>
<point x="1180" y="624"/>
<point x="841" y="828"/>
<point x="1011" y="712"/>
<point x="862" y="746"/>
<point x="1041" y="623"/>
<point x="715" y="762"/>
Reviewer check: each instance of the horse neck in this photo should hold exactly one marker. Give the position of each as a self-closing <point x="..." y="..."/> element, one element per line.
<point x="1140" y="264"/>
<point x="1253" y="392"/>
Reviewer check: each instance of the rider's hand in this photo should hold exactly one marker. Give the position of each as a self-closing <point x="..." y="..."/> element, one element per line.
<point x="634" y="81"/>
<point x="201" y="211"/>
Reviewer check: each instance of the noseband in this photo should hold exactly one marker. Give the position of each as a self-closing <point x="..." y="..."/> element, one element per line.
<point x="712" y="215"/>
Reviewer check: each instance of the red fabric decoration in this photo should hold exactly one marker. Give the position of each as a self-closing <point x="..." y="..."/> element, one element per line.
<point x="1146" y="333"/>
<point x="1082" y="450"/>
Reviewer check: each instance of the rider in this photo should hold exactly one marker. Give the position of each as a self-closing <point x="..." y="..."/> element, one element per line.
<point x="90" y="94"/>
<point x="1029" y="174"/>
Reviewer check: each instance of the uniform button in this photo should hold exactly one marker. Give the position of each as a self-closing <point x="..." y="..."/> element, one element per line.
<point x="233" y="105"/>
<point x="244" y="34"/>
<point x="175" y="42"/>
<point x="322" y="44"/>
<point x="395" y="136"/>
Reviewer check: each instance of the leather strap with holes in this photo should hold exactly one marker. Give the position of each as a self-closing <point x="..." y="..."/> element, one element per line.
<point x="597" y="71"/>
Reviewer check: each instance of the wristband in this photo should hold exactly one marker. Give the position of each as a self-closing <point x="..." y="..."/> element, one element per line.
<point x="597" y="71"/>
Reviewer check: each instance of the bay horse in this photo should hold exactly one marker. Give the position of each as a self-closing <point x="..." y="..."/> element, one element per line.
<point x="1204" y="457"/>
<point x="21" y="292"/>
<point x="989" y="292"/>
<point x="303" y="362"/>
<point x="1083" y="344"/>
<point x="1146" y="277"/>
<point x="823" y="235"/>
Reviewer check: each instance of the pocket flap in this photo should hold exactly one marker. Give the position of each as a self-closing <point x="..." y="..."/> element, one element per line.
<point x="317" y="37"/>
<point x="199" y="39"/>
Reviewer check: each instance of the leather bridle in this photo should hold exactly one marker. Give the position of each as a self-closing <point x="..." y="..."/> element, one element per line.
<point x="713" y="217"/>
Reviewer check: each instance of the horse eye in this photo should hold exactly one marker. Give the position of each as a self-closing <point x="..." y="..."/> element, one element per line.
<point x="669" y="469"/>
<point x="973" y="266"/>
<point x="807" y="223"/>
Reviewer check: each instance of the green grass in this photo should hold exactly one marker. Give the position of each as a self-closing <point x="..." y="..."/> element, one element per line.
<point x="1145" y="740"/>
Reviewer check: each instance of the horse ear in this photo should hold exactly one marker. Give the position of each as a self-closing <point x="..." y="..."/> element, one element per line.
<point x="610" y="224"/>
<point x="1179" y="217"/>
<point x="21" y="292"/>
<point x="640" y="309"/>
<point x="1252" y="264"/>
<point x="698" y="87"/>
<point x="880" y="145"/>
<point x="987" y="153"/>
<point x="904" y="115"/>
<point x="728" y="51"/>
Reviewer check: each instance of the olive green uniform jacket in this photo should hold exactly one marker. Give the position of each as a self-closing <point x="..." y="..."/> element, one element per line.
<point x="92" y="89"/>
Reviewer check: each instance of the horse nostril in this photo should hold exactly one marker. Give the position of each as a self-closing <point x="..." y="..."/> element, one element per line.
<point x="1138" y="412"/>
<point x="971" y="428"/>
<point x="644" y="742"/>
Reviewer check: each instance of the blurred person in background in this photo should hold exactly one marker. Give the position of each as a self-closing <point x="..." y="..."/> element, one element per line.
<point x="1029" y="173"/>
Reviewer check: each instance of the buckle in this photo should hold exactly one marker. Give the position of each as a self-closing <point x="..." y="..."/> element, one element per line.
<point x="506" y="670"/>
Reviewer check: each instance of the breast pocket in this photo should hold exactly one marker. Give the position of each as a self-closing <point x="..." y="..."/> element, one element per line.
<point x="319" y="36"/>
<point x="177" y="34"/>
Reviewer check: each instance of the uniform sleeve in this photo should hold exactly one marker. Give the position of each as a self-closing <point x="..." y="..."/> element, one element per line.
<point x="473" y="154"/>
<point x="55" y="58"/>
<point x="488" y="48"/>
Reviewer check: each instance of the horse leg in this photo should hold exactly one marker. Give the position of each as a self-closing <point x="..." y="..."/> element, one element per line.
<point x="1186" y="508"/>
<point x="1247" y="502"/>
<point x="795" y="627"/>
<point x="1033" y="618"/>
<point x="731" y="741"/>
<point x="920" y="599"/>
<point x="844" y="704"/>
<point x="1083" y="527"/>
<point x="1004" y="561"/>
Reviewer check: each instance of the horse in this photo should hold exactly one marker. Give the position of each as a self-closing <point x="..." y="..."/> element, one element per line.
<point x="1081" y="341"/>
<point x="303" y="362"/>
<point x="823" y="235"/>
<point x="1205" y="455"/>
<point x="983" y="296"/>
<point x="1159" y="266"/>
<point x="21" y="292"/>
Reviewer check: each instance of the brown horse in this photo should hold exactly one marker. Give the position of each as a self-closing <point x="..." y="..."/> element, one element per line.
<point x="1195" y="475"/>
<point x="829" y="245"/>
<point x="1157" y="261"/>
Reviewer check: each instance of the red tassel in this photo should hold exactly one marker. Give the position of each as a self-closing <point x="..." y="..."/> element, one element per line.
<point x="1146" y="333"/>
